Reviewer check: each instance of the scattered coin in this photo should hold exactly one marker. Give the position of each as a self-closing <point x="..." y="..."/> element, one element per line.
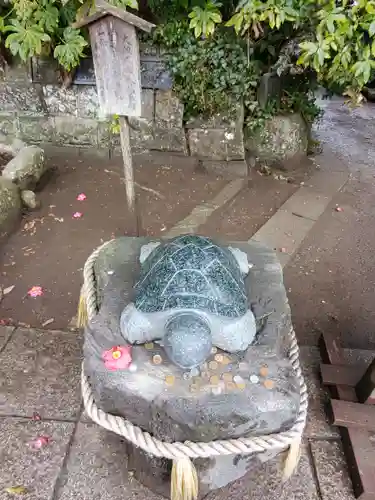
<point x="230" y="385"/>
<point x="186" y="376"/>
<point x="170" y="379"/>
<point x="219" y="358"/>
<point x="214" y="380"/>
<point x="133" y="367"/>
<point x="216" y="390"/>
<point x="227" y="377"/>
<point x="194" y="372"/>
<point x="213" y="350"/>
<point x="269" y="384"/>
<point x="212" y="365"/>
<point x="157" y="359"/>
<point x="254" y="379"/>
<point x="194" y="388"/>
<point x="264" y="371"/>
<point x="226" y="360"/>
<point x="241" y="385"/>
<point x="149" y="345"/>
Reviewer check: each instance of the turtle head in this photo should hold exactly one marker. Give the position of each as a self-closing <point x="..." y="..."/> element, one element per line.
<point x="187" y="340"/>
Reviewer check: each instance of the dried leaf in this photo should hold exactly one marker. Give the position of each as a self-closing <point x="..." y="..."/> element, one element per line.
<point x="17" y="490"/>
<point x="8" y="289"/>
<point x="48" y="322"/>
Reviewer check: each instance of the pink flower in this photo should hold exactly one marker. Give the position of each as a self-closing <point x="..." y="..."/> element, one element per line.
<point x="118" y="358"/>
<point x="40" y="442"/>
<point x="35" y="291"/>
<point x="81" y="197"/>
<point x="77" y="215"/>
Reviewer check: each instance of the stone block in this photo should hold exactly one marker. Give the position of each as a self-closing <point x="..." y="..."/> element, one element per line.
<point x="169" y="110"/>
<point x="36" y="129"/>
<point x="155" y="75"/>
<point x="233" y="119"/>
<point x="26" y="168"/>
<point x="264" y="482"/>
<point x="35" y="469"/>
<point x="169" y="139"/>
<point x="10" y="207"/>
<point x="281" y="139"/>
<point x="40" y="372"/>
<point x="104" y="134"/>
<point x="87" y="101"/>
<point x="59" y="100"/>
<point x="216" y="144"/>
<point x="76" y="131"/>
<point x="21" y="97"/>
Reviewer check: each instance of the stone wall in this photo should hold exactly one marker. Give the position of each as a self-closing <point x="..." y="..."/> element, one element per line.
<point x="36" y="108"/>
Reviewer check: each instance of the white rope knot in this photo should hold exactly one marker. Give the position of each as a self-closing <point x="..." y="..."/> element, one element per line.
<point x="184" y="480"/>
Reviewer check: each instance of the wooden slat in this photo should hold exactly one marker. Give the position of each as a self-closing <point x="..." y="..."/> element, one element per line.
<point x="358" y="448"/>
<point x="340" y="375"/>
<point x="365" y="388"/>
<point x="125" y="16"/>
<point x="115" y="52"/>
<point x="348" y="414"/>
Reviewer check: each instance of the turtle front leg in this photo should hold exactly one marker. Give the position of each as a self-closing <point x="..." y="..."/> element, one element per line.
<point x="135" y="326"/>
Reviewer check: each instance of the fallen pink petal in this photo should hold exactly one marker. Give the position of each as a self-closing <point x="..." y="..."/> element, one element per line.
<point x="77" y="215"/>
<point x="81" y="197"/>
<point x="35" y="291"/>
<point x="40" y="442"/>
<point x="339" y="209"/>
<point x="36" y="417"/>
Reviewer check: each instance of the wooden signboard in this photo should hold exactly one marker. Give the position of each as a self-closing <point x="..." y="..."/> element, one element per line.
<point x="115" y="52"/>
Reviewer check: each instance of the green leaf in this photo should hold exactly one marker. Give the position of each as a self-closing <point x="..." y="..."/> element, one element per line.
<point x="70" y="52"/>
<point x="371" y="28"/>
<point x="373" y="49"/>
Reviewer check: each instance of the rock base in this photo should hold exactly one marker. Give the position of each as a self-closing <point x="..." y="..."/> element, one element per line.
<point x="213" y="473"/>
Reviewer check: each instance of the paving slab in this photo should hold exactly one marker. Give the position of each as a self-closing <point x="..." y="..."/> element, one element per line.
<point x="317" y="425"/>
<point x="307" y="203"/>
<point x="284" y="232"/>
<point x="327" y="183"/>
<point x="5" y="333"/>
<point x="264" y="483"/>
<point x="332" y="472"/>
<point x="40" y="372"/>
<point x="22" y="465"/>
<point x="96" y="468"/>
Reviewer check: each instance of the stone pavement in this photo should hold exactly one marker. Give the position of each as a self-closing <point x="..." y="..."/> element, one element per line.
<point x="40" y="372"/>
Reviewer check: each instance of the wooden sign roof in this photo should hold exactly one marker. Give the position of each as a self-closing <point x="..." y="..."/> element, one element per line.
<point x="106" y="9"/>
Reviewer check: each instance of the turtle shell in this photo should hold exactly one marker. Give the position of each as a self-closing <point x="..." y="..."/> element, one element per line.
<point x="191" y="272"/>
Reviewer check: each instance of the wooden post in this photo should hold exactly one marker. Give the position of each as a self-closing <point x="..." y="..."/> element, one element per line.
<point x="128" y="163"/>
<point x="365" y="388"/>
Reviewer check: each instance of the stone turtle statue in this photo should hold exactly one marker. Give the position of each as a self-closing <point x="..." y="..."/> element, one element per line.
<point x="190" y="296"/>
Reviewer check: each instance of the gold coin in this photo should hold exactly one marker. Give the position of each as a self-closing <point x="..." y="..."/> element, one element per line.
<point x="241" y="385"/>
<point x="169" y="379"/>
<point x="194" y="388"/>
<point x="269" y="384"/>
<point x="230" y="385"/>
<point x="212" y="365"/>
<point x="226" y="360"/>
<point x="219" y="358"/>
<point x="149" y="345"/>
<point x="214" y="380"/>
<point x="227" y="377"/>
<point x="157" y="359"/>
<point x="263" y="371"/>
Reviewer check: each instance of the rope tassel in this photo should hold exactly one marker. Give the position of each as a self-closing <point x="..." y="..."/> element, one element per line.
<point x="82" y="316"/>
<point x="292" y="459"/>
<point x="184" y="480"/>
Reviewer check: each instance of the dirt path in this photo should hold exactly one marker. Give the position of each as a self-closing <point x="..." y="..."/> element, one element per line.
<point x="331" y="280"/>
<point x="51" y="245"/>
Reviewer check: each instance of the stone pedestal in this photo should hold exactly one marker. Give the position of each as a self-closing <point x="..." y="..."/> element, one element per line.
<point x="252" y="393"/>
